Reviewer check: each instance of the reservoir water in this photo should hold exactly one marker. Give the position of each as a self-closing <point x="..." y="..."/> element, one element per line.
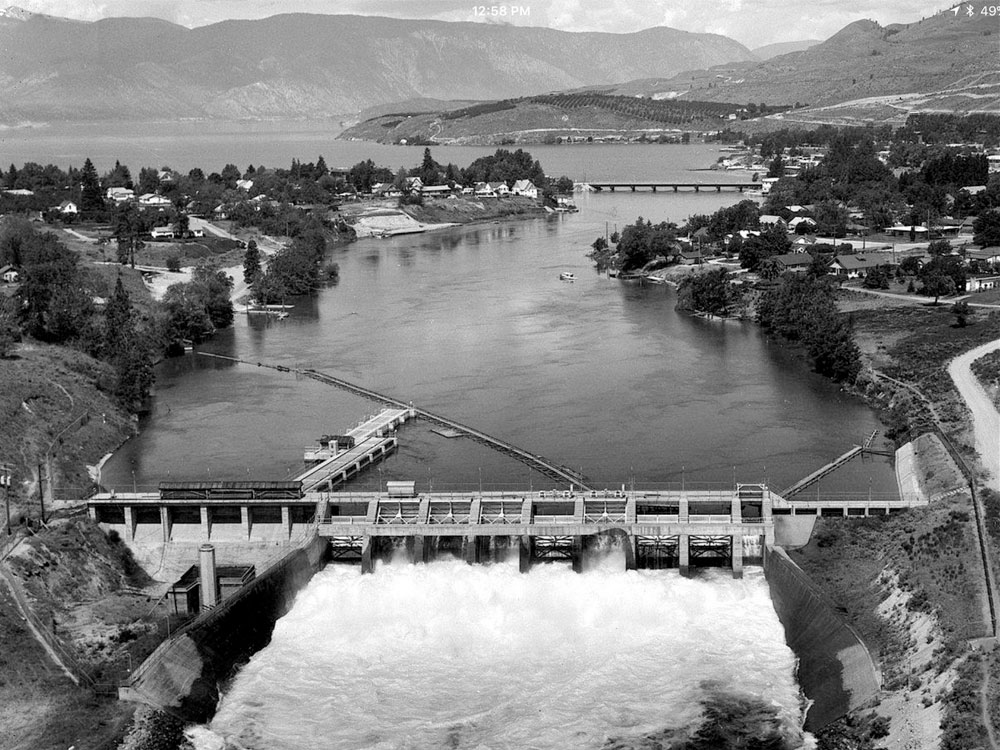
<point x="453" y="656"/>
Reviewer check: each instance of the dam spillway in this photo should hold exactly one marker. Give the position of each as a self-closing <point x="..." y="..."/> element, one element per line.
<point x="449" y="655"/>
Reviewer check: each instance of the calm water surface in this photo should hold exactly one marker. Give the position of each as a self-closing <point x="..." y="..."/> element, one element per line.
<point x="474" y="323"/>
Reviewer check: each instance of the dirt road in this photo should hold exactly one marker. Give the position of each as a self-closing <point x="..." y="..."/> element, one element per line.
<point x="985" y="419"/>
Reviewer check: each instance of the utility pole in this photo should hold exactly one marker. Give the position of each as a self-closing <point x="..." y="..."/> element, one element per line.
<point x="5" y="482"/>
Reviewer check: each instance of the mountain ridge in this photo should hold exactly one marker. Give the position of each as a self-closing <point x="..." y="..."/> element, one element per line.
<point x="297" y="65"/>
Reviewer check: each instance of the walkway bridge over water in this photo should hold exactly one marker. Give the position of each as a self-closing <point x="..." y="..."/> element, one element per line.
<point x="539" y="463"/>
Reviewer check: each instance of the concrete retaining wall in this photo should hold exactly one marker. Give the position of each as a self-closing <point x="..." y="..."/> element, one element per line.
<point x="836" y="671"/>
<point x="183" y="675"/>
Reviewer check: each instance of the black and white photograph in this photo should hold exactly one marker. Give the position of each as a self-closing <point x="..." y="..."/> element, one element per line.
<point x="536" y="375"/>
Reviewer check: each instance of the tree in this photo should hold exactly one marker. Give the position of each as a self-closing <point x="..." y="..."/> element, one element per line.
<point x="10" y="333"/>
<point x="987" y="229"/>
<point x="230" y="174"/>
<point x="54" y="306"/>
<point x="118" y="322"/>
<point x="776" y="168"/>
<point x="251" y="263"/>
<point x="149" y="180"/>
<point x="937" y="284"/>
<point x="91" y="199"/>
<point x="214" y="287"/>
<point x="962" y="311"/>
<point x="130" y="226"/>
<point x="429" y="169"/>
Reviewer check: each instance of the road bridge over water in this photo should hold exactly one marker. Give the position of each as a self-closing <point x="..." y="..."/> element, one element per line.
<point x="675" y="186"/>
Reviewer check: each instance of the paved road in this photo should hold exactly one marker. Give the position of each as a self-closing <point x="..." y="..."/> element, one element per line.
<point x="985" y="419"/>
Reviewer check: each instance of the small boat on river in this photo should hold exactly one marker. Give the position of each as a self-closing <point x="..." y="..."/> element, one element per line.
<point x="567" y="276"/>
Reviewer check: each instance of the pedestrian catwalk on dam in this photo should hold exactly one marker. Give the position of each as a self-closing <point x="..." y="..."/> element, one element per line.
<point x="539" y="463"/>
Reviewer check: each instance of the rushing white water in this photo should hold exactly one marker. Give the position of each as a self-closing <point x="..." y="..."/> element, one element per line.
<point x="449" y="655"/>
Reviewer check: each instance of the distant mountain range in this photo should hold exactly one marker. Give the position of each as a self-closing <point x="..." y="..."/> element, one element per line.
<point x="309" y="66"/>
<point x="863" y="60"/>
<point x="783" y="48"/>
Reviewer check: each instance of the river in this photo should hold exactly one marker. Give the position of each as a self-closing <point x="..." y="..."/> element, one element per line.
<point x="603" y="376"/>
<point x="473" y="323"/>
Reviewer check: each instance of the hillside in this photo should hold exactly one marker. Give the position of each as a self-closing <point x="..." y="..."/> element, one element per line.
<point x="303" y="66"/>
<point x="539" y="119"/>
<point x="863" y="60"/>
<point x="783" y="48"/>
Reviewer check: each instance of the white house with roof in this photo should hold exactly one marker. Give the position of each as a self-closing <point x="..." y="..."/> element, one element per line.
<point x="499" y="189"/>
<point x="244" y="185"/>
<point x="770" y="220"/>
<point x="162" y="233"/>
<point x="152" y="200"/>
<point x="858" y="265"/>
<point x="798" y="221"/>
<point x="119" y="194"/>
<point x="433" y="190"/>
<point x="483" y="190"/>
<point x="526" y="188"/>
<point x="8" y="274"/>
<point x="68" y="208"/>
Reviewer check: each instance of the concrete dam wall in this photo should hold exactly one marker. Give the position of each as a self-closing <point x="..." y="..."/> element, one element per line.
<point x="836" y="670"/>
<point x="183" y="675"/>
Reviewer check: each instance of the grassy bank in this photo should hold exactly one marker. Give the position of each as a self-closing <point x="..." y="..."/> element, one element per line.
<point x="468" y="210"/>
<point x="913" y="584"/>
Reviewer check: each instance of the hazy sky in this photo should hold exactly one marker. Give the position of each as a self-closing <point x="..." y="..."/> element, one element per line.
<point x="752" y="22"/>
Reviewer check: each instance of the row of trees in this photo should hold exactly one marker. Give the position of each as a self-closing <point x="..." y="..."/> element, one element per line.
<point x="801" y="308"/>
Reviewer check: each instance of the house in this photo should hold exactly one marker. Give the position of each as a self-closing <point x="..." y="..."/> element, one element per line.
<point x="798" y="262"/>
<point x="800" y="221"/>
<point x="691" y="257"/>
<point x="433" y="190"/>
<point x="162" y="233"/>
<point x="165" y="175"/>
<point x="700" y="235"/>
<point x="19" y="191"/>
<point x="900" y="230"/>
<point x="499" y="189"/>
<point x="244" y="185"/>
<point x="973" y="189"/>
<point x="858" y="266"/>
<point x="526" y="188"/>
<point x="982" y="283"/>
<point x="119" y="195"/>
<point x="8" y="274"/>
<point x="151" y="200"/>
<point x="414" y="184"/>
<point x="68" y="208"/>
<point x="467" y="191"/>
<point x="770" y="220"/>
<point x="989" y="255"/>
<point x="483" y="190"/>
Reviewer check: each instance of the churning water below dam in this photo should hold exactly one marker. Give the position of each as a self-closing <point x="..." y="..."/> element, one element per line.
<point x="449" y="655"/>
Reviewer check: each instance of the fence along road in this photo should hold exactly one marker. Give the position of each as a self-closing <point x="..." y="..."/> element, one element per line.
<point x="539" y="463"/>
